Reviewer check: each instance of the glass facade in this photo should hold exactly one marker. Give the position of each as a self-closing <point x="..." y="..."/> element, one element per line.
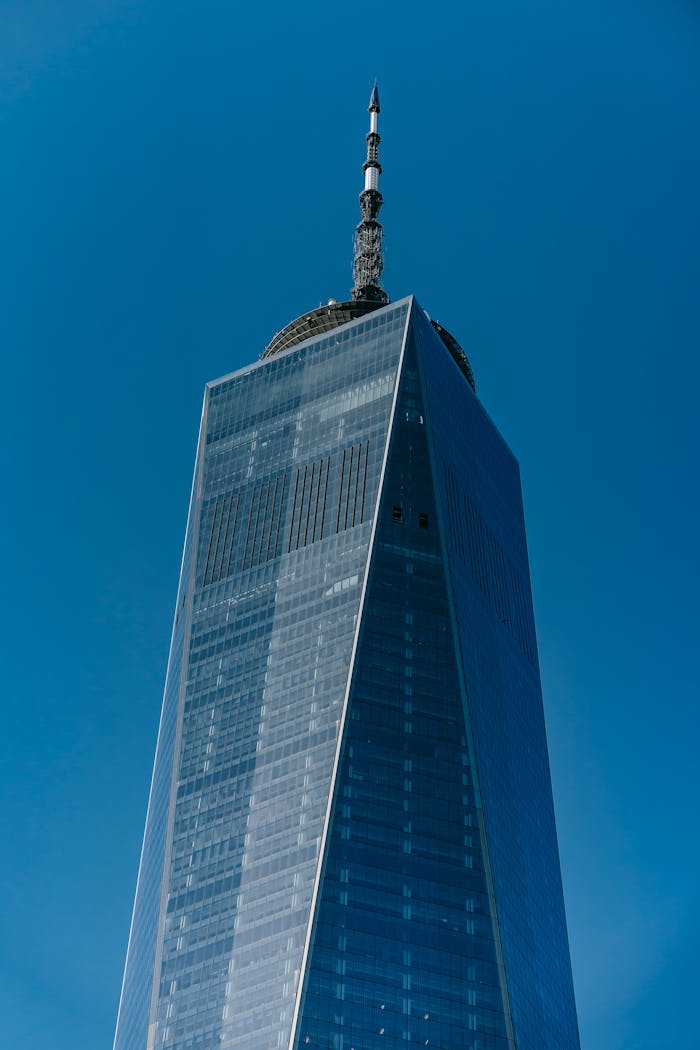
<point x="351" y="770"/>
<point x="480" y="496"/>
<point x="404" y="951"/>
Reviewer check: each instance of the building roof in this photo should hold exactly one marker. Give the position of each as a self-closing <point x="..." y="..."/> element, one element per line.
<point x="333" y="314"/>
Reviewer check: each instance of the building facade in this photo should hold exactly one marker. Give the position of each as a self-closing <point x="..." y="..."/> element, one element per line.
<point x="350" y="839"/>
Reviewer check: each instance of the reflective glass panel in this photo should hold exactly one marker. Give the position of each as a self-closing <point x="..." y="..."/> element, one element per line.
<point x="480" y="497"/>
<point x="404" y="951"/>
<point x="285" y="492"/>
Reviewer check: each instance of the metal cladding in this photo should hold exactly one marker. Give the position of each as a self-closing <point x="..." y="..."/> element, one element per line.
<point x="368" y="262"/>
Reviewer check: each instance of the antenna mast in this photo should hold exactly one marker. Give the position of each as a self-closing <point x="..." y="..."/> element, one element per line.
<point x="368" y="262"/>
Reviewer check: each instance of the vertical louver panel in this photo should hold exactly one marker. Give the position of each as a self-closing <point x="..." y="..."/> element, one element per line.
<point x="246" y="527"/>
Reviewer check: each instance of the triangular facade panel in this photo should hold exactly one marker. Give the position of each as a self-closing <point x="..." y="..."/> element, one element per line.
<point x="404" y="951"/>
<point x="286" y="486"/>
<point x="478" y="482"/>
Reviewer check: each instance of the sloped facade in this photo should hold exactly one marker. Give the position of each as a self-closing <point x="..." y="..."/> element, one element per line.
<point x="350" y="839"/>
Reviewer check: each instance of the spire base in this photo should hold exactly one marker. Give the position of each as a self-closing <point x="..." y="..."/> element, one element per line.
<point x="370" y="293"/>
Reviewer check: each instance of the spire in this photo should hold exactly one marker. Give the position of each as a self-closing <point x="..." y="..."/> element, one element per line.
<point x="368" y="262"/>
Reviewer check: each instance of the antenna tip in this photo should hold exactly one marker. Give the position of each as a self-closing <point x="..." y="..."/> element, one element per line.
<point x="374" y="100"/>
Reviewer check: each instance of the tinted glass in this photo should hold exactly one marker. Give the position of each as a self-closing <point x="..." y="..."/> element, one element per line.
<point x="404" y="950"/>
<point x="442" y="803"/>
<point x="286" y="487"/>
<point x="480" y="498"/>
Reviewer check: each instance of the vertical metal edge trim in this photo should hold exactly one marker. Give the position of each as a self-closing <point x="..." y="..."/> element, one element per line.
<point x="193" y="519"/>
<point x="178" y="599"/>
<point x="351" y="668"/>
<point x="465" y="702"/>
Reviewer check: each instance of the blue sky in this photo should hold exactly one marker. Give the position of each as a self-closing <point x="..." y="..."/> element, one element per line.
<point x="178" y="181"/>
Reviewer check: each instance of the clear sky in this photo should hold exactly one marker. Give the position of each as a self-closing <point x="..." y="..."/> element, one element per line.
<point x="178" y="181"/>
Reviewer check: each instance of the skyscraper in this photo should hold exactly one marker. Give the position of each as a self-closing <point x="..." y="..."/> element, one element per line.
<point x="350" y="838"/>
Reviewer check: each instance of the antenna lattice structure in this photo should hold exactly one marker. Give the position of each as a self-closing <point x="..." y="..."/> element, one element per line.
<point x="368" y="262"/>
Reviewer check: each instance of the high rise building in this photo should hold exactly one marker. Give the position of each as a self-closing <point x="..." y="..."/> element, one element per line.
<point x="350" y="839"/>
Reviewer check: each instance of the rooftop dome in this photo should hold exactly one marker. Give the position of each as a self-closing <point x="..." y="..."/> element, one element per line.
<point x="333" y="314"/>
<point x="367" y="293"/>
<point x="317" y="321"/>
